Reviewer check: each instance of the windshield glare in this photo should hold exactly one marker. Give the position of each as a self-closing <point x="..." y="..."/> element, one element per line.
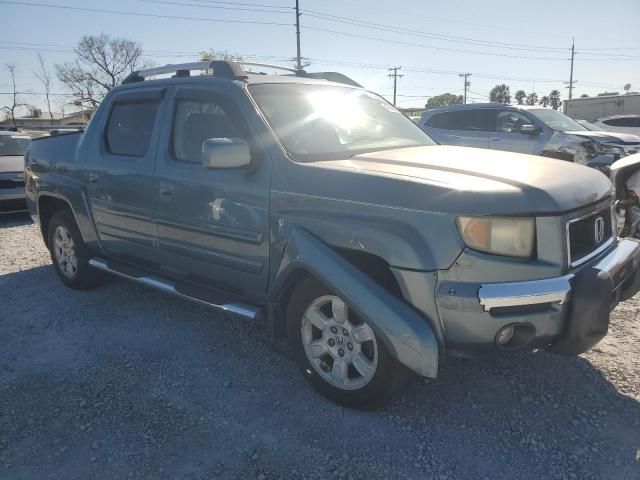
<point x="318" y="122"/>
<point x="13" y="145"/>
<point x="556" y="120"/>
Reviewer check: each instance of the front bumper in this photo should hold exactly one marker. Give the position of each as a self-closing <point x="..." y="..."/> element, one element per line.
<point x="569" y="313"/>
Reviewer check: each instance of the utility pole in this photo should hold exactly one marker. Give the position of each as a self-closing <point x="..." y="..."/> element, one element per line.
<point x="467" y="84"/>
<point x="395" y="81"/>
<point x="298" y="57"/>
<point x="571" y="82"/>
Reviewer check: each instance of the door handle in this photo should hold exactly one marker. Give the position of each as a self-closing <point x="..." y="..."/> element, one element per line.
<point x="93" y="178"/>
<point x="495" y="139"/>
<point x="166" y="189"/>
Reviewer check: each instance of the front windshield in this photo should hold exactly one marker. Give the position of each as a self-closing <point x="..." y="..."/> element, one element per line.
<point x="319" y="122"/>
<point x="556" y="120"/>
<point x="13" y="145"/>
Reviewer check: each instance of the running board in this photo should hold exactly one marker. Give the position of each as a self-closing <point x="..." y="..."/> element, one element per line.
<point x="239" y="309"/>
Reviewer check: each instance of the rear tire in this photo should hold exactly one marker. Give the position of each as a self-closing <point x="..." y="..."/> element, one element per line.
<point x="69" y="254"/>
<point x="339" y="353"/>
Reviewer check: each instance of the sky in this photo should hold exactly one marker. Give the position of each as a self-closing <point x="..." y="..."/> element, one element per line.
<point x="526" y="45"/>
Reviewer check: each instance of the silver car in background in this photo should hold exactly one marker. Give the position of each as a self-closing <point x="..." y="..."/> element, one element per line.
<point x="620" y="123"/>
<point x="12" y="147"/>
<point x="532" y="130"/>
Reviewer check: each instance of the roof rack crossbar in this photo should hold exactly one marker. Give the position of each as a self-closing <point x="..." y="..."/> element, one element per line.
<point x="220" y="68"/>
<point x="270" y="65"/>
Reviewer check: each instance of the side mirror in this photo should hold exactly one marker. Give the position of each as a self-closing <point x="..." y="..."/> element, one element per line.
<point x="528" y="129"/>
<point x="225" y="153"/>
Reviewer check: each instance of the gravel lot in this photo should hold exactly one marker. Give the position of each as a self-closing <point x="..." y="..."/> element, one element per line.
<point x="125" y="382"/>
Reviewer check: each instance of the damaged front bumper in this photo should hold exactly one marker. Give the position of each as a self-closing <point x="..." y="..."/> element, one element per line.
<point x="567" y="314"/>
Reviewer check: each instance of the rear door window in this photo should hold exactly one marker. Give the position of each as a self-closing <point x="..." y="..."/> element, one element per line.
<point x="130" y="127"/>
<point x="481" y="120"/>
<point x="623" y="122"/>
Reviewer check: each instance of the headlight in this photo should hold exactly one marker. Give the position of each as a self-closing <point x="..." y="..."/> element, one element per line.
<point x="513" y="237"/>
<point x="603" y="148"/>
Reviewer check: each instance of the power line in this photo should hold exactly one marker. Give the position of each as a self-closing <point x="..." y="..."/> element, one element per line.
<point x="139" y="14"/>
<point x="244" y="4"/>
<point x="417" y="69"/>
<point x="450" y="38"/>
<point x="398" y="42"/>
<point x="246" y="9"/>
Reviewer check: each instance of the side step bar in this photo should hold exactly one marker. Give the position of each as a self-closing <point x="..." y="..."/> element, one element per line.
<point x="239" y="309"/>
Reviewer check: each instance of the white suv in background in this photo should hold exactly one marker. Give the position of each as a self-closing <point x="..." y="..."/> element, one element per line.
<point x="620" y="123"/>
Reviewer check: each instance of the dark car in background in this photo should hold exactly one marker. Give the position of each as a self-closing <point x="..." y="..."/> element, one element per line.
<point x="532" y="130"/>
<point x="13" y="144"/>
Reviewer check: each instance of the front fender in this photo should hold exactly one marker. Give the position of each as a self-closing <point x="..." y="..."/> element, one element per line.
<point x="405" y="333"/>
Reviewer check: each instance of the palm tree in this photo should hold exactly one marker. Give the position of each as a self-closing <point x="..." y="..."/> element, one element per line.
<point x="520" y="96"/>
<point x="554" y="99"/>
<point x="500" y="94"/>
<point x="544" y="101"/>
<point x="532" y="98"/>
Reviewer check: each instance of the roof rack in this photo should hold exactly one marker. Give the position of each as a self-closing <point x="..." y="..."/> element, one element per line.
<point x="220" y="68"/>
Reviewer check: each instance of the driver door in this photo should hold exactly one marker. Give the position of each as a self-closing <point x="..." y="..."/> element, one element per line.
<point x="212" y="223"/>
<point x="507" y="135"/>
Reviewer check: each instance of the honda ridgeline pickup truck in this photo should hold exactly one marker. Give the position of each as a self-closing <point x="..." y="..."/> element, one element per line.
<point x="322" y="210"/>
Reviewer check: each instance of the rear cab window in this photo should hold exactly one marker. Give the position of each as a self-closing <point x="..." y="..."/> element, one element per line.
<point x="130" y="127"/>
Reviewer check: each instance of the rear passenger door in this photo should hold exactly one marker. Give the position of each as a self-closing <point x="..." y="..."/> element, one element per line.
<point x="466" y="128"/>
<point x="212" y="223"/>
<point x="120" y="181"/>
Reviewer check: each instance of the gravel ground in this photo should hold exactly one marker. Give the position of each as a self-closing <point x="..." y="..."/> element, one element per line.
<point x="125" y="382"/>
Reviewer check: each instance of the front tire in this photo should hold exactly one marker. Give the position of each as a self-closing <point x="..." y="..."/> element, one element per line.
<point x="69" y="254"/>
<point x="339" y="353"/>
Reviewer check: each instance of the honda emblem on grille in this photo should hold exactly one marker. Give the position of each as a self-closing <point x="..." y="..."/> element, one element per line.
<point x="598" y="229"/>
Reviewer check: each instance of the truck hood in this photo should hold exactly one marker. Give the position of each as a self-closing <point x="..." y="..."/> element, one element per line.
<point x="11" y="163"/>
<point x="471" y="180"/>
<point x="608" y="137"/>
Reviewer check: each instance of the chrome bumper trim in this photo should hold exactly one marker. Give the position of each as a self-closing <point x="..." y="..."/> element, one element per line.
<point x="534" y="292"/>
<point x="626" y="251"/>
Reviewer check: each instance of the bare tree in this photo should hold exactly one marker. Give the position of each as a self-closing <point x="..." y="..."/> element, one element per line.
<point x="11" y="108"/>
<point x="211" y="54"/>
<point x="102" y="63"/>
<point x="45" y="78"/>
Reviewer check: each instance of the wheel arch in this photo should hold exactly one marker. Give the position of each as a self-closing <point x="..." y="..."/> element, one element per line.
<point x="359" y="277"/>
<point x="48" y="205"/>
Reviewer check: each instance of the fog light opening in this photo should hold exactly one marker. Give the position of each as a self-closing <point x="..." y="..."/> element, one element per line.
<point x="515" y="336"/>
<point x="505" y="335"/>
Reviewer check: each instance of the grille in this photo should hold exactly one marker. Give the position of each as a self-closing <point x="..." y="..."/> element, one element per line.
<point x="582" y="234"/>
<point x="11" y="184"/>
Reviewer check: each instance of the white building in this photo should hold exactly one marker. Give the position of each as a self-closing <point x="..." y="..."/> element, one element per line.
<point x="592" y="108"/>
